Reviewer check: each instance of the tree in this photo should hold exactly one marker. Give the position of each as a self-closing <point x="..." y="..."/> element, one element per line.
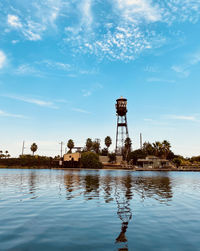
<point x="90" y="160"/>
<point x="96" y="146"/>
<point x="177" y="161"/>
<point x="34" y="148"/>
<point x="104" y="152"/>
<point x="108" y="141"/>
<point x="112" y="157"/>
<point x="127" y="145"/>
<point x="6" y="153"/>
<point x="88" y="144"/>
<point x="70" y="145"/>
<point x="148" y="148"/>
<point x="166" y="148"/>
<point x="135" y="155"/>
<point x="158" y="148"/>
<point x="1" y="154"/>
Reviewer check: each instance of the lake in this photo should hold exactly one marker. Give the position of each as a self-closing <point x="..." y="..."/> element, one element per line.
<point x="99" y="210"/>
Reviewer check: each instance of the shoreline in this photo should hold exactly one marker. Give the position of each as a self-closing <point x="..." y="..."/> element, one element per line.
<point x="106" y="168"/>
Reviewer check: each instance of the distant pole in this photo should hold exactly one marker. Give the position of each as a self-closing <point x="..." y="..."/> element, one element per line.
<point x="140" y="140"/>
<point x="23" y="147"/>
<point x="61" y="149"/>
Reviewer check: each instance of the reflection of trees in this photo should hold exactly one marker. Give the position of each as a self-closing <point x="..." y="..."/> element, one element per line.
<point x="158" y="187"/>
<point x="32" y="183"/>
<point x="72" y="184"/>
<point x="106" y="185"/>
<point x="91" y="184"/>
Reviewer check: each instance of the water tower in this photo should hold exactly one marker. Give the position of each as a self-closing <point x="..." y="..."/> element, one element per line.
<point x="122" y="126"/>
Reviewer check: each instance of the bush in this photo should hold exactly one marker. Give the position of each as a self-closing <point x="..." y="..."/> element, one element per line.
<point x="135" y="155"/>
<point x="177" y="161"/>
<point x="112" y="157"/>
<point x="28" y="161"/>
<point x="90" y="160"/>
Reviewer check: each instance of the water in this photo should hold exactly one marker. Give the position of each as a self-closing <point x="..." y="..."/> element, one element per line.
<point x="99" y="210"/>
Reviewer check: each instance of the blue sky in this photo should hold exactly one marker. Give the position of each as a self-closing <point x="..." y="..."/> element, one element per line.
<point x="64" y="63"/>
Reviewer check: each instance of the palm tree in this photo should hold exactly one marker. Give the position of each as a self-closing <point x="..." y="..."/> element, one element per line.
<point x="166" y="148"/>
<point x="96" y="146"/>
<point x="158" y="148"/>
<point x="70" y="145"/>
<point x="127" y="145"/>
<point x="148" y="148"/>
<point x="88" y="144"/>
<point x="34" y="148"/>
<point x="108" y="141"/>
<point x="6" y="152"/>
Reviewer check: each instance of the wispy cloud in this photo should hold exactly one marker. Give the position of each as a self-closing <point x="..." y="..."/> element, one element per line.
<point x="56" y="65"/>
<point x="115" y="29"/>
<point x="160" y="80"/>
<point x="30" y="29"/>
<point x="181" y="117"/>
<point x="134" y="9"/>
<point x="34" y="101"/>
<point x="2" y="59"/>
<point x="14" y="21"/>
<point x="190" y="61"/>
<point x="80" y="110"/>
<point x="27" y="69"/>
<point x="88" y="92"/>
<point x="12" y="115"/>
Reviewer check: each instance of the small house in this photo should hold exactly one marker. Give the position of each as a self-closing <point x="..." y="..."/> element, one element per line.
<point x="153" y="162"/>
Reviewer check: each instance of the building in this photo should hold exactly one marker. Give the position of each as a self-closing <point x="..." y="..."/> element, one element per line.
<point x="71" y="159"/>
<point x="153" y="162"/>
<point x="72" y="156"/>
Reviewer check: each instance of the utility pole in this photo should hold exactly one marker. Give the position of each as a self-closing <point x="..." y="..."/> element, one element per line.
<point x="61" y="148"/>
<point x="23" y="147"/>
<point x="140" y="140"/>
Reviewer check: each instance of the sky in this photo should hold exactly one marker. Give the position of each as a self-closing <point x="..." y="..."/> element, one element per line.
<point x="64" y="63"/>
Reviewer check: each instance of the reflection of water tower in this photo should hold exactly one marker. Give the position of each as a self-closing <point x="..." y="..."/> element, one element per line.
<point x="122" y="126"/>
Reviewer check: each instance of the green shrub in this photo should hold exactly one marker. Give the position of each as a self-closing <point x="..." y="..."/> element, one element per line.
<point x="90" y="160"/>
<point x="112" y="157"/>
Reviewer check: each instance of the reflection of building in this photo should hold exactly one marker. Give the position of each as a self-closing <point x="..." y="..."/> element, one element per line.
<point x="153" y="162"/>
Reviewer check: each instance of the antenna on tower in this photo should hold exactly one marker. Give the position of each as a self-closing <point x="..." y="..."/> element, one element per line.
<point x="141" y="141"/>
<point x="122" y="126"/>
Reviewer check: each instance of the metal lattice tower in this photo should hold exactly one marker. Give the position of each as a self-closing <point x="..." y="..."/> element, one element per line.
<point x="122" y="126"/>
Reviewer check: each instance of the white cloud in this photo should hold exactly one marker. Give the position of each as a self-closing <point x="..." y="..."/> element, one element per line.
<point x="181" y="69"/>
<point x="181" y="117"/>
<point x="191" y="60"/>
<point x="134" y="9"/>
<point x="34" y="101"/>
<point x="160" y="80"/>
<point x="80" y="110"/>
<point x="15" y="41"/>
<point x="30" y="29"/>
<point x="93" y="88"/>
<point x="57" y="65"/>
<point x="6" y="114"/>
<point x="2" y="59"/>
<point x="14" y="21"/>
<point x="86" y="13"/>
<point x="115" y="29"/>
<point x="26" y="69"/>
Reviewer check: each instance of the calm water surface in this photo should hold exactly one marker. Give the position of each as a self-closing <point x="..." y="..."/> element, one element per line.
<point x="99" y="210"/>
